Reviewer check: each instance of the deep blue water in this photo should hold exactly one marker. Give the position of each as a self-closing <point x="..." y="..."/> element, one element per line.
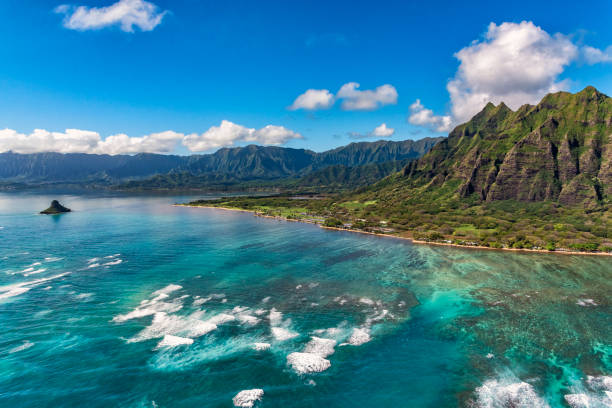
<point x="90" y="302"/>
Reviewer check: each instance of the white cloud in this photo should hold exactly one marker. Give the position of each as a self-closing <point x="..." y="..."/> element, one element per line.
<point x="313" y="99"/>
<point x="421" y="116"/>
<point x="355" y="99"/>
<point x="229" y="133"/>
<point x="125" y="13"/>
<point x="85" y="141"/>
<point x="383" y="131"/>
<point x="595" y="55"/>
<point x="514" y="63"/>
<point x="379" y="131"/>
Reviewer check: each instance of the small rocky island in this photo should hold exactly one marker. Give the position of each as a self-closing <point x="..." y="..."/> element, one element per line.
<point x="55" y="208"/>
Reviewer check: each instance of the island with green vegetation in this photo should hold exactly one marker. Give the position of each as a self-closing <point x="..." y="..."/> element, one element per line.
<point x="55" y="208"/>
<point x="538" y="178"/>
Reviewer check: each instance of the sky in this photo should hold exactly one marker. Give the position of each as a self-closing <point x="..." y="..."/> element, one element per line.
<point x="191" y="76"/>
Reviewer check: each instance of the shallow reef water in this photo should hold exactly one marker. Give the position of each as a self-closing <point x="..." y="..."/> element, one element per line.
<point x="133" y="302"/>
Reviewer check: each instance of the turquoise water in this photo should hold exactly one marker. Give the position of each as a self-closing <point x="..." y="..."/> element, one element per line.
<point x="129" y="301"/>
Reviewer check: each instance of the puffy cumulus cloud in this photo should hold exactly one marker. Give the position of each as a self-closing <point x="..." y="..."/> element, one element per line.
<point x="313" y="99"/>
<point x="421" y="116"/>
<point x="127" y="14"/>
<point x="228" y="133"/>
<point x="356" y="99"/>
<point x="163" y="142"/>
<point x="514" y="63"/>
<point x="594" y="55"/>
<point x="379" y="131"/>
<point x="85" y="141"/>
<point x="352" y="98"/>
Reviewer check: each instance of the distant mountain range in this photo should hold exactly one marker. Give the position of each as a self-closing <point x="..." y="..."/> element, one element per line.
<point x="224" y="166"/>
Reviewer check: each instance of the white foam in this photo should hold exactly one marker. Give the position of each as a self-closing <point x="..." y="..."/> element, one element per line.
<point x="167" y="290"/>
<point x="261" y="346"/>
<point x="321" y="347"/>
<point x="221" y="318"/>
<point x="275" y="317"/>
<point x="52" y="259"/>
<point x="26" y="345"/>
<point x="304" y="363"/>
<point x="247" y="398"/>
<point x="16" y="289"/>
<point x="265" y="300"/>
<point x="200" y="301"/>
<point x="92" y="260"/>
<point x="577" y="400"/>
<point x="34" y="272"/>
<point x="239" y="309"/>
<point x="26" y="270"/>
<point x="115" y="262"/>
<point x="112" y="256"/>
<point x="248" y="319"/>
<point x="84" y="295"/>
<point x="260" y="312"/>
<point x="600" y="383"/>
<point x="282" y="334"/>
<point x="93" y="265"/>
<point x="359" y="336"/>
<point x="366" y="301"/>
<point x="163" y="324"/>
<point x="150" y="307"/>
<point x="494" y="394"/>
<point x="586" y="302"/>
<point x="174" y="341"/>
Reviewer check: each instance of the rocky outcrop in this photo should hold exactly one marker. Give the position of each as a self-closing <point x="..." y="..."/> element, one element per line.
<point x="55" y="208"/>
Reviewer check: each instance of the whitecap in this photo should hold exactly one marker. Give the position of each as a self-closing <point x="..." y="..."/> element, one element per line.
<point x="304" y="363"/>
<point x="92" y="260"/>
<point x="84" y="295"/>
<point x="150" y="307"/>
<point x="221" y="318"/>
<point x="600" y="383"/>
<point x="111" y="256"/>
<point x="167" y="290"/>
<point x="359" y="336"/>
<point x="174" y="341"/>
<point x="261" y="346"/>
<point x="34" y="272"/>
<point x="577" y="400"/>
<point x="52" y="259"/>
<point x="26" y="345"/>
<point x="265" y="300"/>
<point x="16" y="289"/>
<point x="260" y="312"/>
<point x="494" y="393"/>
<point x="93" y="265"/>
<point x="164" y="324"/>
<point x="275" y="317"/>
<point x="247" y="398"/>
<point x="586" y="302"/>
<point x="366" y="301"/>
<point x="282" y="334"/>
<point x="248" y="319"/>
<point x="321" y="347"/>
<point x="115" y="262"/>
<point x="199" y="301"/>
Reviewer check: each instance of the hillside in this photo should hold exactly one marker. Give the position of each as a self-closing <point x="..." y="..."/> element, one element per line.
<point x="227" y="165"/>
<point x="540" y="177"/>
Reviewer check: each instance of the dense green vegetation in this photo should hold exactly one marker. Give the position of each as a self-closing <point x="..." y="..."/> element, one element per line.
<point x="537" y="178"/>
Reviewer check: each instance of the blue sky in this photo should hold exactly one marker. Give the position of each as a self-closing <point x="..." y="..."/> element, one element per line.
<point x="193" y="64"/>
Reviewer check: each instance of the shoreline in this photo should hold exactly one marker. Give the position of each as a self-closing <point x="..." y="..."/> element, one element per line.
<point x="414" y="241"/>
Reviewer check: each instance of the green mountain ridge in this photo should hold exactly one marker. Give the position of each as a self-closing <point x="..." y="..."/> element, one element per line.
<point x="538" y="177"/>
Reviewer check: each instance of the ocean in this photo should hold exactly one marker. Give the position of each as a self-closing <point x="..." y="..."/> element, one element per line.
<point x="129" y="301"/>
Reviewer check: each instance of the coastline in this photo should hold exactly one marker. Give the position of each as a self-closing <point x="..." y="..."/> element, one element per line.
<point x="414" y="241"/>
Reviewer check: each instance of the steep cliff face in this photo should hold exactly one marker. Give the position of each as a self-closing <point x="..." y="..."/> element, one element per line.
<point x="558" y="150"/>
